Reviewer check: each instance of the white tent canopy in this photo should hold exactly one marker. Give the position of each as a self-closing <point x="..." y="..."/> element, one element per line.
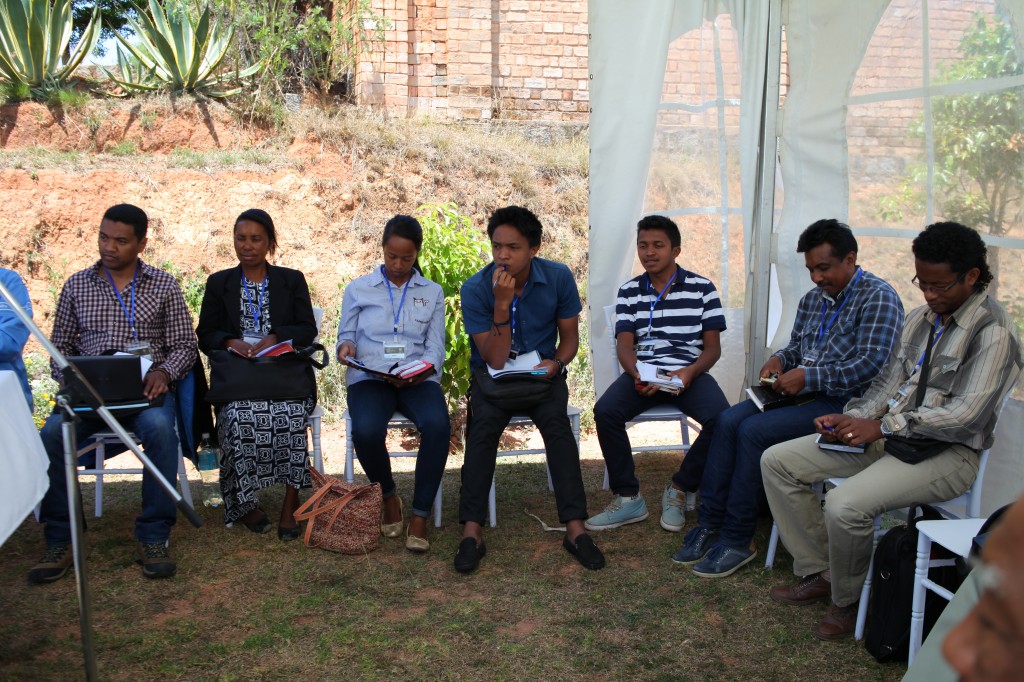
<point x="802" y="144"/>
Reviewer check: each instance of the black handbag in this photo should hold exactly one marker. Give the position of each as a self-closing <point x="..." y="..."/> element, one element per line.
<point x="513" y="393"/>
<point x="282" y="377"/>
<point x="914" y="450"/>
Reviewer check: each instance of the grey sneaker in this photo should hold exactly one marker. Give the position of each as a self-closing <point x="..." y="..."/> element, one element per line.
<point x="156" y="560"/>
<point x="619" y="512"/>
<point x="673" y="516"/>
<point x="696" y="545"/>
<point x="53" y="566"/>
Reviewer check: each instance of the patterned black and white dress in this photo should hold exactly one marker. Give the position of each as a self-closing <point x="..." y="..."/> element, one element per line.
<point x="263" y="442"/>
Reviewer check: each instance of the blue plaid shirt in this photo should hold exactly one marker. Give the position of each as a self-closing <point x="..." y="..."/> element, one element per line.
<point x="852" y="352"/>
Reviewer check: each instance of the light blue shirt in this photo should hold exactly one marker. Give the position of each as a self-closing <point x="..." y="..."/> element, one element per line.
<point x="14" y="334"/>
<point x="367" y="321"/>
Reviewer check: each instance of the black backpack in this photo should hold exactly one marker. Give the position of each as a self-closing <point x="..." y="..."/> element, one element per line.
<point x="892" y="588"/>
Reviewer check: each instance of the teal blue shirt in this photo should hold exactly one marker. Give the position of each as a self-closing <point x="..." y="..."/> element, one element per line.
<point x="550" y="295"/>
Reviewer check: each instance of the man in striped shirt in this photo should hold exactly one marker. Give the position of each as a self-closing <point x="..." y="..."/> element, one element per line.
<point x="844" y="331"/>
<point x="670" y="318"/>
<point x="966" y="347"/>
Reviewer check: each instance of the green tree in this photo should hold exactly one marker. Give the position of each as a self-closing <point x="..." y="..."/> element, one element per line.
<point x="978" y="140"/>
<point x="452" y="252"/>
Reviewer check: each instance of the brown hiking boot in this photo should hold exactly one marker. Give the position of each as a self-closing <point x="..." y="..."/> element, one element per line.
<point x="839" y="622"/>
<point x="156" y="560"/>
<point x="53" y="566"/>
<point x="811" y="590"/>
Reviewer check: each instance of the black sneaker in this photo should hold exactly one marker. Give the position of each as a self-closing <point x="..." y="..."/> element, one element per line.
<point x="53" y="566"/>
<point x="469" y="555"/>
<point x="156" y="560"/>
<point x="585" y="551"/>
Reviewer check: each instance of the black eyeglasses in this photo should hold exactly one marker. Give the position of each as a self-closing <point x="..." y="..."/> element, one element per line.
<point x="937" y="288"/>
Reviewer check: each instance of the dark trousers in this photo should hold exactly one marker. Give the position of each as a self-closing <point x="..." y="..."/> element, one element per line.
<point x="702" y="401"/>
<point x="154" y="427"/>
<point x="488" y="421"/>
<point x="731" y="490"/>
<point x="371" y="404"/>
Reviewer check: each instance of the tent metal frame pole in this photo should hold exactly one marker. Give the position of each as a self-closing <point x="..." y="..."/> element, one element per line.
<point x="761" y="253"/>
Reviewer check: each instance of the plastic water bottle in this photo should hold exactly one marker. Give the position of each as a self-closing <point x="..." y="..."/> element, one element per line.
<point x="209" y="471"/>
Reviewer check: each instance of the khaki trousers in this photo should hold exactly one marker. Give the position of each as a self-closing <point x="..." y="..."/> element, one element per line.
<point x="840" y="537"/>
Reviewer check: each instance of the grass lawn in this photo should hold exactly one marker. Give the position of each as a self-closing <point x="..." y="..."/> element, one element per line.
<point x="248" y="607"/>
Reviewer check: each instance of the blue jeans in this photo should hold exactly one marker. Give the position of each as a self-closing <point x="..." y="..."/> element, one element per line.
<point x="154" y="427"/>
<point x="702" y="401"/>
<point x="730" y="490"/>
<point x="371" y="404"/>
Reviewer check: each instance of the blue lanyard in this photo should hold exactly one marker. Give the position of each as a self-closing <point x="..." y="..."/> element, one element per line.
<point x="401" y="303"/>
<point x="822" y="328"/>
<point x="129" y="315"/>
<point x="257" y="310"/>
<point x="515" y="306"/>
<point x="938" y="333"/>
<point x="650" y="321"/>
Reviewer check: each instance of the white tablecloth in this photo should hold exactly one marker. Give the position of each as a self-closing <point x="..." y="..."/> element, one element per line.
<point x="23" y="480"/>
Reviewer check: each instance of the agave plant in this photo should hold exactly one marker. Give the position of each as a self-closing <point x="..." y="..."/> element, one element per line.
<point x="34" y="37"/>
<point x="176" y="52"/>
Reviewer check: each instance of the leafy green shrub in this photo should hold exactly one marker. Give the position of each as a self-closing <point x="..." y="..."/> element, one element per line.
<point x="452" y="252"/>
<point x="122" y="148"/>
<point x="34" y="42"/>
<point x="178" y="52"/>
<point x="44" y="388"/>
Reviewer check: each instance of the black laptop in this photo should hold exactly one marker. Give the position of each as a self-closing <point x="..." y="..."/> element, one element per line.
<point x="116" y="378"/>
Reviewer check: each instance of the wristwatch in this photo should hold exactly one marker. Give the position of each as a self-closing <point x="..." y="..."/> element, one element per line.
<point x="561" y="364"/>
<point x="886" y="431"/>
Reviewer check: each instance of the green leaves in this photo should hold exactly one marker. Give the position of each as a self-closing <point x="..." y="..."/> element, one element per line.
<point x="34" y="37"/>
<point x="452" y="253"/>
<point x="177" y="52"/>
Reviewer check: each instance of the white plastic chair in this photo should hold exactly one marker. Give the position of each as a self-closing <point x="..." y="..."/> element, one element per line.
<point x="659" y="413"/>
<point x="397" y="421"/>
<point x="98" y="443"/>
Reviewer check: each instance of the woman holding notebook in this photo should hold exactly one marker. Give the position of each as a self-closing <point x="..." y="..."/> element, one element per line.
<point x="246" y="310"/>
<point x="392" y="325"/>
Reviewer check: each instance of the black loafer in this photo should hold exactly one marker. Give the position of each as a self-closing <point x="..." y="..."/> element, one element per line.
<point x="469" y="555"/>
<point x="288" y="534"/>
<point x="585" y="551"/>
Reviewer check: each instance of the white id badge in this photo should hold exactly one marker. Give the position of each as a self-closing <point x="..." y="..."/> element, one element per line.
<point x="645" y="349"/>
<point x="141" y="349"/>
<point x="252" y="339"/>
<point x="811" y="357"/>
<point x="900" y="396"/>
<point x="394" y="350"/>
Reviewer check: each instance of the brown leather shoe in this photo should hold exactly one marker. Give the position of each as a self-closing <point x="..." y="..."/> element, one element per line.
<point x="811" y="590"/>
<point x="839" y="622"/>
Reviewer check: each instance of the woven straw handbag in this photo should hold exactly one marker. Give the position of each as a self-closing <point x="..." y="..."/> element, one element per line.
<point x="342" y="517"/>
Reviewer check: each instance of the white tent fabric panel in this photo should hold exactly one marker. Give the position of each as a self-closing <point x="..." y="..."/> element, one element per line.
<point x="825" y="40"/>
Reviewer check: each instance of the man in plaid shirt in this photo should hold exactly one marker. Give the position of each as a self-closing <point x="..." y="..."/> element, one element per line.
<point x="122" y="304"/>
<point x="845" y="329"/>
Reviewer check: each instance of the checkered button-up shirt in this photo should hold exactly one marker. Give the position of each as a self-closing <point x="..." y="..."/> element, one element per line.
<point x="90" y="319"/>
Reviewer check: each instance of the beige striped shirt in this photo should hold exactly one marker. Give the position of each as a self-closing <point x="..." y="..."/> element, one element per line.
<point x="973" y="365"/>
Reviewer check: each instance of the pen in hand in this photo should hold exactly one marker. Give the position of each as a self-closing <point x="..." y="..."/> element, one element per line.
<point x="495" y="282"/>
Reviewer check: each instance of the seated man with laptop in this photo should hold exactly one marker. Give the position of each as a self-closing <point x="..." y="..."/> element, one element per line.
<point x="121" y="304"/>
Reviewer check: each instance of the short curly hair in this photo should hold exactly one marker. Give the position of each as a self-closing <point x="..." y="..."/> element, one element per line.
<point x="958" y="245"/>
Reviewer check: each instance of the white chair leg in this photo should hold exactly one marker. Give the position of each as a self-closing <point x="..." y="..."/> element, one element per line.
<point x="100" y="454"/>
<point x="604" y="484"/>
<point x="865" y="592"/>
<point x="551" y="486"/>
<point x="492" y="505"/>
<point x="773" y="545"/>
<point x="349" y="448"/>
<point x="924" y="551"/>
<point x="186" y="491"/>
<point x="437" y="506"/>
<point x="314" y="429"/>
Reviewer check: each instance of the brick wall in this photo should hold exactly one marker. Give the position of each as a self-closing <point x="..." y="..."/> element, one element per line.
<point x="481" y="59"/>
<point x="527" y="59"/>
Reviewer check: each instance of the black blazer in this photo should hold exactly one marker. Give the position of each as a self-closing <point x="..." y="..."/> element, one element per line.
<point x="291" y="311"/>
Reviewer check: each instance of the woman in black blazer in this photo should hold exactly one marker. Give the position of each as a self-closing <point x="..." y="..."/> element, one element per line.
<point x="248" y="308"/>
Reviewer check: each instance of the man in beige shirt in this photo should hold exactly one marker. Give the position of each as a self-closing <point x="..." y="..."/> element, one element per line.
<point x="974" y="358"/>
